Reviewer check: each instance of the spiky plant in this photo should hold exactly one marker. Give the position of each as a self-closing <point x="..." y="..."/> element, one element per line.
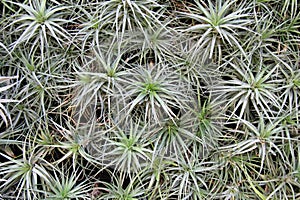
<point x="36" y="21"/>
<point x="216" y="26"/>
<point x="249" y="90"/>
<point x="23" y="177"/>
<point x="150" y="91"/>
<point x="67" y="187"/>
<point x="149" y="99"/>
<point x="128" y="149"/>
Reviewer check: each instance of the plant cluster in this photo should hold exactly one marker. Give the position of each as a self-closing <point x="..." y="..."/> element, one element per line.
<point x="149" y="99"/>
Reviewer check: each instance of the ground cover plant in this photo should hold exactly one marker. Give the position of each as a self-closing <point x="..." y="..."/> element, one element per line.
<point x="149" y="99"/>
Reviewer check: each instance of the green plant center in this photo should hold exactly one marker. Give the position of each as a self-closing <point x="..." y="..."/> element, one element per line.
<point x="255" y="85"/>
<point x="26" y="167"/>
<point x="151" y="88"/>
<point x="111" y="73"/>
<point x="40" y="18"/>
<point x="296" y="83"/>
<point x="95" y="24"/>
<point x="75" y="148"/>
<point x="129" y="144"/>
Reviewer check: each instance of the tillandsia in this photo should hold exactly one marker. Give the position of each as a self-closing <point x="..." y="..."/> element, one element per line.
<point x="149" y="99"/>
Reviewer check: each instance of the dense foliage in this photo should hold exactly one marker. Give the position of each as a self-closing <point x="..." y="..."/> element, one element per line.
<point x="149" y="99"/>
